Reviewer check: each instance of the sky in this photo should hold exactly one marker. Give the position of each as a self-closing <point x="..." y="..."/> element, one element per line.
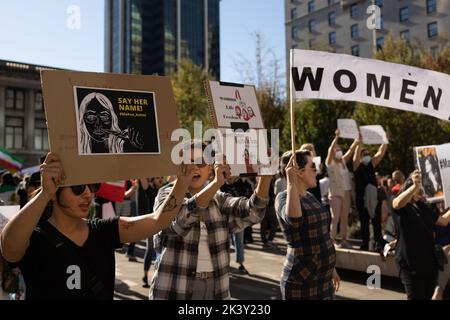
<point x="42" y="32"/>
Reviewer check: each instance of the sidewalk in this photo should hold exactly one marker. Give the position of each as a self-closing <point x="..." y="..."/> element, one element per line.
<point x="262" y="283"/>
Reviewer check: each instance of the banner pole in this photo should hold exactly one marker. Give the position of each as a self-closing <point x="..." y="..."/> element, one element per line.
<point x="292" y="99"/>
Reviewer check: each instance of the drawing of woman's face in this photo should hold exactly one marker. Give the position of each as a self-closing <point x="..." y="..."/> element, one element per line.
<point x="97" y="118"/>
<point x="251" y="114"/>
<point x="427" y="166"/>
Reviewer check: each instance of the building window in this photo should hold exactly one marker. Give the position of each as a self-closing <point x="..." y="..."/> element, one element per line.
<point x="380" y="42"/>
<point x="40" y="135"/>
<point x="432" y="29"/>
<point x="295" y="32"/>
<point x="330" y="2"/>
<point x="431" y="6"/>
<point x="294" y="13"/>
<point x="355" y="51"/>
<point x="312" y="25"/>
<point x="332" y="19"/>
<point x="379" y="3"/>
<point x="15" y="99"/>
<point x="14" y="133"/>
<point x="354" y="31"/>
<point x="332" y="38"/>
<point x="38" y="105"/>
<point x="311" y="6"/>
<point x="354" y="10"/>
<point x="404" y="14"/>
<point x="405" y="35"/>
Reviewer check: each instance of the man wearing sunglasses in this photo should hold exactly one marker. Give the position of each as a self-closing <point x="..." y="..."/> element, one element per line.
<point x="67" y="256"/>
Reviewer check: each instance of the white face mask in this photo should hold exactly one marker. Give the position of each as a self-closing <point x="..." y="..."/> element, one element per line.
<point x="366" y="160"/>
<point x="338" y="155"/>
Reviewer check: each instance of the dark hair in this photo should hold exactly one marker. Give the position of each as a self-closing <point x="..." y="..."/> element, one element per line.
<point x="301" y="156"/>
<point x="7" y="179"/>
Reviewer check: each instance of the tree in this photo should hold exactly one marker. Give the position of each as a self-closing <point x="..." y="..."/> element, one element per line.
<point x="406" y="129"/>
<point x="190" y="96"/>
<point x="264" y="72"/>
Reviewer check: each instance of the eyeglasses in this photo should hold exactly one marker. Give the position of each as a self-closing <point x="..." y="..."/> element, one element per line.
<point x="79" y="190"/>
<point x="92" y="118"/>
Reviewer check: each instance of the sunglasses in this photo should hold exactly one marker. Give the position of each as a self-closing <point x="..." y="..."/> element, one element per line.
<point x="79" y="190"/>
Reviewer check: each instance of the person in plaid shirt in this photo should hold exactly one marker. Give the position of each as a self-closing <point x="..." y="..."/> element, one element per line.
<point x="309" y="269"/>
<point x="195" y="255"/>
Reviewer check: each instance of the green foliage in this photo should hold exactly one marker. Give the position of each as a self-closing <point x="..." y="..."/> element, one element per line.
<point x="190" y="96"/>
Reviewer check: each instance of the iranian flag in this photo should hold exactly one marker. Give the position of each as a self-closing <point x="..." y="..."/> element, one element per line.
<point x="8" y="161"/>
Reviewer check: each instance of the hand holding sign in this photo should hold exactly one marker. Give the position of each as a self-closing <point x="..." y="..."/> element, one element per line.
<point x="347" y="128"/>
<point x="374" y="134"/>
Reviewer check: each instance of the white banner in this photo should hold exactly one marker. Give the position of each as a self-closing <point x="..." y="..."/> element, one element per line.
<point x="374" y="134"/>
<point x="331" y="76"/>
<point x="348" y="129"/>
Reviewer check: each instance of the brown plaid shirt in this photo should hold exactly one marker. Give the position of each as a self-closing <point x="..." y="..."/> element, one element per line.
<point x="311" y="257"/>
<point x="176" y="270"/>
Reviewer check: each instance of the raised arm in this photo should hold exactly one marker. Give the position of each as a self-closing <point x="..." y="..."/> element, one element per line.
<point x="405" y="197"/>
<point x="351" y="151"/>
<point x="293" y="207"/>
<point x="331" y="148"/>
<point x="16" y="235"/>
<point x="444" y="220"/>
<point x="357" y="154"/>
<point x="132" y="229"/>
<point x="379" y="155"/>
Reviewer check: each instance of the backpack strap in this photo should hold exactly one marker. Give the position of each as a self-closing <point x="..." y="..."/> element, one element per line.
<point x="57" y="240"/>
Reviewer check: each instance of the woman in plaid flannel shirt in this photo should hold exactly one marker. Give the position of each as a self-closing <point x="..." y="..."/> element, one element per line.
<point x="195" y="256"/>
<point x="309" y="269"/>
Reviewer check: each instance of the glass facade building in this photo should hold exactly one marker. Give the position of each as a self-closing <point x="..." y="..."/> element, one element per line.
<point x="150" y="36"/>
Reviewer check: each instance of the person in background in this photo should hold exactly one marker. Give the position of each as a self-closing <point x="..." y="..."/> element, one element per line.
<point x="398" y="178"/>
<point x="340" y="188"/>
<point x="415" y="255"/>
<point x="365" y="187"/>
<point x="146" y="194"/>
<point x="8" y="189"/>
<point x="280" y="182"/>
<point x="442" y="238"/>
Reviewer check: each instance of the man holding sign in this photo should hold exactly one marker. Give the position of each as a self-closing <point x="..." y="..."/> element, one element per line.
<point x="366" y="191"/>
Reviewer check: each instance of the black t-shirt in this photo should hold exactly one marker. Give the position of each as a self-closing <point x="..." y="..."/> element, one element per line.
<point x="363" y="176"/>
<point x="381" y="196"/>
<point x="415" y="238"/>
<point x="45" y="268"/>
<point x="146" y="199"/>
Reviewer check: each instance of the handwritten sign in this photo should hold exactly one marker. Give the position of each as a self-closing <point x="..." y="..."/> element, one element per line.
<point x="374" y="134"/>
<point x="348" y="129"/>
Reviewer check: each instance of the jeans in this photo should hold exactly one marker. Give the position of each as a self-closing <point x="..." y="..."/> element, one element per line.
<point x="238" y="239"/>
<point x="418" y="286"/>
<point x="149" y="254"/>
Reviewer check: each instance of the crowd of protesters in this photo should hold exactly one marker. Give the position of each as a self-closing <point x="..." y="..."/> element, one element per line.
<point x="190" y="222"/>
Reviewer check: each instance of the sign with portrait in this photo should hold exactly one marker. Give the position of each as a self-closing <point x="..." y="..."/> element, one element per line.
<point x="427" y="162"/>
<point x="109" y="127"/>
<point x="116" y="121"/>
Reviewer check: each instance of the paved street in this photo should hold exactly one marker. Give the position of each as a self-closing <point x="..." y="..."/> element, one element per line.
<point x="262" y="283"/>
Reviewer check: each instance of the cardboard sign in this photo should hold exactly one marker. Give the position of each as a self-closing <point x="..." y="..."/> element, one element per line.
<point x="231" y="103"/>
<point x="109" y="127"/>
<point x="374" y="134"/>
<point x="331" y="76"/>
<point x="428" y="163"/>
<point x="348" y="129"/>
